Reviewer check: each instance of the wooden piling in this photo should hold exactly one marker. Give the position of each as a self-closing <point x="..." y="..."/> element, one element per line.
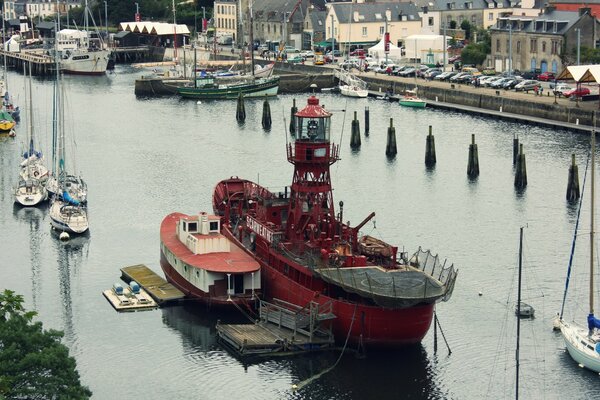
<point x="521" y="174"/>
<point x="266" y="115"/>
<point x="573" y="184"/>
<point x="430" y="158"/>
<point x="390" y="148"/>
<point x="515" y="149"/>
<point x="240" y="113"/>
<point x="294" y="110"/>
<point x="355" y="137"/>
<point x="366" y="121"/>
<point x="473" y="164"/>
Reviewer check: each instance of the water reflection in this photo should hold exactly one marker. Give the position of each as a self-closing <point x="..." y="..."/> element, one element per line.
<point x="71" y="255"/>
<point x="33" y="218"/>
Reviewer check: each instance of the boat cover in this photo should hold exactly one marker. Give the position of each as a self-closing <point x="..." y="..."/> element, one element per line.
<point x="67" y="197"/>
<point x="593" y="322"/>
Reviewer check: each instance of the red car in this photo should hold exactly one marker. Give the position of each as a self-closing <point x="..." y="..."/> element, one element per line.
<point x="546" y="76"/>
<point x="577" y="92"/>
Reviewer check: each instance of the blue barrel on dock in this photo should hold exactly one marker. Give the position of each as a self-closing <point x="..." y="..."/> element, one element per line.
<point x="118" y="288"/>
<point x="135" y="288"/>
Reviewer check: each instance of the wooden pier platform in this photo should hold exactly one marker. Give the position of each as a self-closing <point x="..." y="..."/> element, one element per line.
<point x="283" y="327"/>
<point x="160" y="290"/>
<point x="264" y="338"/>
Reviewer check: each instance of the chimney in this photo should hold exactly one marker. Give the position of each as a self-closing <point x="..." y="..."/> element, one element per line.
<point x="585" y="10"/>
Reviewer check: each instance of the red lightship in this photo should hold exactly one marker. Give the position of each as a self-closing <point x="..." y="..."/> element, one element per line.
<point x="307" y="254"/>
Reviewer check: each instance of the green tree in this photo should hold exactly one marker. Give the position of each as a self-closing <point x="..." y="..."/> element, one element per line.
<point x="473" y="54"/>
<point x="34" y="364"/>
<point x="466" y="26"/>
<point x="453" y="24"/>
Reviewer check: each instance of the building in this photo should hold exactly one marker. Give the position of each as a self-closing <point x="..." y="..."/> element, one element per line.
<point x="225" y="18"/>
<point x="160" y="34"/>
<point x="364" y="24"/>
<point x="37" y="9"/>
<point x="542" y="43"/>
<point x="314" y="28"/>
<point x="575" y="5"/>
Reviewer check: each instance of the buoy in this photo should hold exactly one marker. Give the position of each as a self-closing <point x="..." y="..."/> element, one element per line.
<point x="199" y="102"/>
<point x="64" y="236"/>
<point x="481" y="294"/>
<point x="294" y="387"/>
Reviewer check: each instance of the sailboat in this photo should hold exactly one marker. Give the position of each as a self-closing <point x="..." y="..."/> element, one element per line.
<point x="7" y="104"/>
<point x="30" y="190"/>
<point x="350" y="85"/>
<point x="583" y="343"/>
<point x="80" y="53"/>
<point x="67" y="213"/>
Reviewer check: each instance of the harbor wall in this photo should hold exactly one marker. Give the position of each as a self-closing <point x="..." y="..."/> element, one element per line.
<point x="498" y="102"/>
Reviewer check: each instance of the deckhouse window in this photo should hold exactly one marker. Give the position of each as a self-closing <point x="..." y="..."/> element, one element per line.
<point x="314" y="129"/>
<point x="214" y="226"/>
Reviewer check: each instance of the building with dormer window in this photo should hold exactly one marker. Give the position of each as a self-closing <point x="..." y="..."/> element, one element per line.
<point x="364" y="24"/>
<point x="37" y="9"/>
<point x="542" y="43"/>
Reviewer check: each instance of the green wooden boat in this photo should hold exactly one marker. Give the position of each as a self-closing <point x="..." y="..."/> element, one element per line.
<point x="210" y="88"/>
<point x="410" y="99"/>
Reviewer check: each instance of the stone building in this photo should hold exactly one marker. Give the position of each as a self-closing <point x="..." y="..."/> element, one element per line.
<point x="543" y="43"/>
<point x="35" y="9"/>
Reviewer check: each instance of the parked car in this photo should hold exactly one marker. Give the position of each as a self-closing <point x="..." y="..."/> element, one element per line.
<point x="562" y="88"/>
<point x="336" y="53"/>
<point x="527" y="84"/>
<point x="457" y="77"/>
<point x="530" y="75"/>
<point x="577" y="92"/>
<point x="454" y="59"/>
<point x="511" y="83"/>
<point x="348" y="65"/>
<point x="499" y="83"/>
<point x="307" y="54"/>
<point x="410" y="71"/>
<point x="358" y="52"/>
<point x="445" y="76"/>
<point x="546" y="76"/>
<point x="294" y="59"/>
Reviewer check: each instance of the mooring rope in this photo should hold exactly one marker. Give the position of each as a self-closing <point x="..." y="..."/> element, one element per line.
<point x="317" y="376"/>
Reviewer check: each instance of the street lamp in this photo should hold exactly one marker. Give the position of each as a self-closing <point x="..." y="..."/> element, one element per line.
<point x="137" y="12"/>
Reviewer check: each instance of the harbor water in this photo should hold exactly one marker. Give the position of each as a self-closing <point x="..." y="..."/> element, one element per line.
<point x="145" y="158"/>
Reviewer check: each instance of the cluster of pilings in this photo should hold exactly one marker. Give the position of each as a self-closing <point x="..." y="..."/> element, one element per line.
<point x="391" y="150"/>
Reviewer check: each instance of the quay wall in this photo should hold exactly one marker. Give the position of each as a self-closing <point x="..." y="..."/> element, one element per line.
<point x="501" y="101"/>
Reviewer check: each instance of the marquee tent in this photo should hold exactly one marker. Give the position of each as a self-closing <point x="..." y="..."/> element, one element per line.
<point x="378" y="51"/>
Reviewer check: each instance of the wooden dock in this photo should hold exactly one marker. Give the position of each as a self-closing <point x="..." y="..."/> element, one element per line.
<point x="160" y="290"/>
<point x="282" y="327"/>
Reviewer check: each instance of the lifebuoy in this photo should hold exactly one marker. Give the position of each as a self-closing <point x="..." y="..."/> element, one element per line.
<point x="36" y="174"/>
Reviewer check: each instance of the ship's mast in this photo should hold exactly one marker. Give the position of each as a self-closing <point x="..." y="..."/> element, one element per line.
<point x="311" y="209"/>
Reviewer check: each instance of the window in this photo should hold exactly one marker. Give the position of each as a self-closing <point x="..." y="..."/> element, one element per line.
<point x="554" y="47"/>
<point x="381" y="30"/>
<point x="543" y="47"/>
<point x="533" y="46"/>
<point x="192" y="227"/>
<point x="214" y="226"/>
<point x="473" y="19"/>
<point x="364" y="31"/>
<point x="518" y="46"/>
<point x="498" y="45"/>
<point x="430" y="21"/>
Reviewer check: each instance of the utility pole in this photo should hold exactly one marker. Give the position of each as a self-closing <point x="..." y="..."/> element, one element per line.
<point x="578" y="45"/>
<point x="510" y="47"/>
<point x="106" y="18"/>
<point x="445" y="44"/>
<point x="175" y="35"/>
<point x="386" y="37"/>
<point x="332" y="38"/>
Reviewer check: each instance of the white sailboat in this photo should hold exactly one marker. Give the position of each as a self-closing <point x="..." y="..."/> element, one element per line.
<point x="80" y="53"/>
<point x="30" y="190"/>
<point x="67" y="214"/>
<point x="583" y="342"/>
<point x="350" y="85"/>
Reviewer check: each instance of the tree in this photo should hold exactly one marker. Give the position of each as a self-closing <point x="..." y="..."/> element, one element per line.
<point x="466" y="26"/>
<point x="453" y="24"/>
<point x="473" y="54"/>
<point x="34" y="364"/>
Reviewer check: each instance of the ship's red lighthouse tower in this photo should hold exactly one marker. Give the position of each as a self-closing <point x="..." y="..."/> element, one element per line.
<point x="311" y="211"/>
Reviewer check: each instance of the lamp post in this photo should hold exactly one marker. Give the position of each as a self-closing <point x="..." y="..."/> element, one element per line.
<point x="578" y="45"/>
<point x="137" y="12"/>
<point x="509" y="47"/>
<point x="332" y="38"/>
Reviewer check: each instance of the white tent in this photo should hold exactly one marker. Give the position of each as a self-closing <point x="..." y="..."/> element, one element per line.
<point x="378" y="51"/>
<point x="425" y="46"/>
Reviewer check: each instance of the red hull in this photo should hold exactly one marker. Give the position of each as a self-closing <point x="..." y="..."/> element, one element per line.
<point x="190" y="290"/>
<point x="372" y="325"/>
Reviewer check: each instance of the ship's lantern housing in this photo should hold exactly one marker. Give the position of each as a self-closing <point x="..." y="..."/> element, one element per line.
<point x="313" y="123"/>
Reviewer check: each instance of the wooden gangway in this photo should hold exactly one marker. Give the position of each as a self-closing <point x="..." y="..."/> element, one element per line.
<point x="283" y="327"/>
<point x="160" y="290"/>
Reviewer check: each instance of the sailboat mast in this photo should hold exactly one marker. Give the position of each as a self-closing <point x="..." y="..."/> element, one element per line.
<point x="592" y="224"/>
<point x="519" y="313"/>
<point x="174" y="35"/>
<point x="30" y="119"/>
<point x="251" y="46"/>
